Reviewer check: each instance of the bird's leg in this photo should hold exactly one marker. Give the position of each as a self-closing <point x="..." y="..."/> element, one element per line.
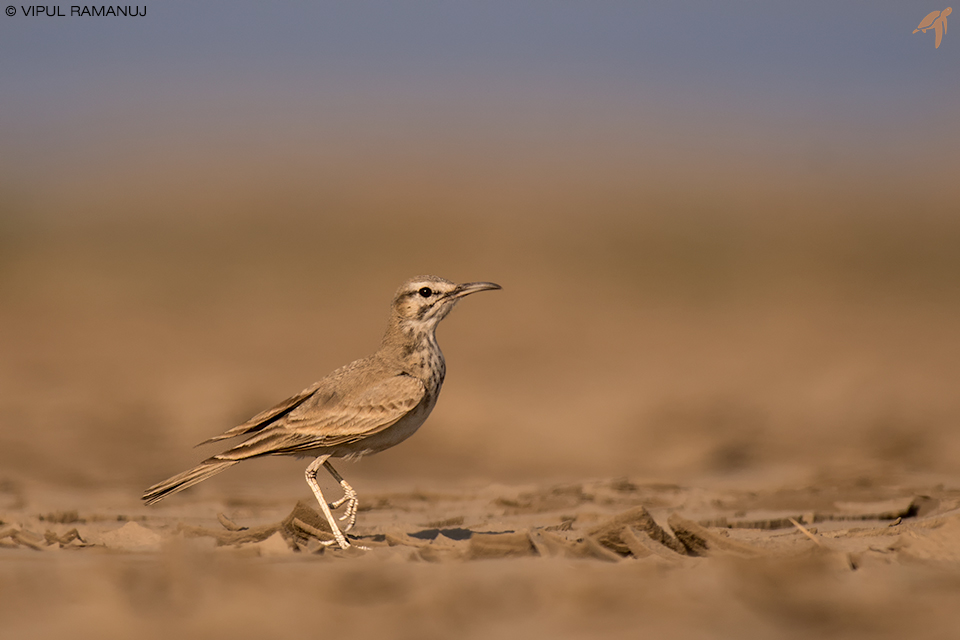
<point x="349" y="497"/>
<point x="311" y="474"/>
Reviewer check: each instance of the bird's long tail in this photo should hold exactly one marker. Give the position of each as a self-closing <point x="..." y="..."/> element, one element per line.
<point x="179" y="482"/>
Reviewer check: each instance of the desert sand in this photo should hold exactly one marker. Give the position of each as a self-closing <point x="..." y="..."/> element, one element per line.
<point x="681" y="427"/>
<point x="605" y="558"/>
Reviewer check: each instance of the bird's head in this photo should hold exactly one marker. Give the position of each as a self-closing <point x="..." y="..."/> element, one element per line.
<point x="426" y="300"/>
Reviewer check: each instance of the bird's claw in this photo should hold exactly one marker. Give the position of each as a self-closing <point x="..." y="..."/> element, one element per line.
<point x="350" y="499"/>
<point x="330" y="543"/>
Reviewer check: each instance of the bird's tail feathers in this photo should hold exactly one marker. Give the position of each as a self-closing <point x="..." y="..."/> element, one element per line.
<point x="181" y="481"/>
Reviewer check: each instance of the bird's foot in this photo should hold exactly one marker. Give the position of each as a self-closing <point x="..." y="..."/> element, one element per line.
<point x="338" y="539"/>
<point x="350" y="499"/>
<point x="346" y="544"/>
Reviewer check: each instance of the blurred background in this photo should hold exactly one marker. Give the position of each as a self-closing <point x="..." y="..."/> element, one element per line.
<point x="727" y="235"/>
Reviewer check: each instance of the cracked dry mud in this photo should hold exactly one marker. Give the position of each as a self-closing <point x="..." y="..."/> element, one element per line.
<point x="623" y="555"/>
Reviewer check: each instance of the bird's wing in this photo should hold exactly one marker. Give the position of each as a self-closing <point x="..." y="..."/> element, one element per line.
<point x="265" y="418"/>
<point x="327" y="420"/>
<point x="928" y="20"/>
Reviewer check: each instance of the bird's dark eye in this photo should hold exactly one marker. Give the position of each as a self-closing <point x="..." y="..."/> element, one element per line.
<point x="426" y="292"/>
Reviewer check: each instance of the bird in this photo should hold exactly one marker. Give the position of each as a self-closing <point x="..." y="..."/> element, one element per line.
<point x="936" y="20"/>
<point x="362" y="408"/>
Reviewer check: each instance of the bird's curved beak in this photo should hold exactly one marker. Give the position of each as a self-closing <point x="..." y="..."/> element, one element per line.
<point x="473" y="287"/>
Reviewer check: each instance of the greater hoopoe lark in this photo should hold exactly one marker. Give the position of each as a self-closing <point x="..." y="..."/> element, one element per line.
<point x="365" y="407"/>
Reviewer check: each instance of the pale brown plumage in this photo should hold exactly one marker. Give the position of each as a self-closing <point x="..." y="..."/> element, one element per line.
<point x="362" y="408"/>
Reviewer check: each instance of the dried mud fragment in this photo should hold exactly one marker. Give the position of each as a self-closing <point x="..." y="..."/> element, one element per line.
<point x="643" y="546"/>
<point x="878" y="510"/>
<point x="889" y="510"/>
<point x="431" y="553"/>
<point x="591" y="548"/>
<point x="500" y="545"/>
<point x="703" y="542"/>
<point x="638" y="549"/>
<point x="28" y="538"/>
<point x="921" y="507"/>
<point x="914" y="527"/>
<point x="301" y="531"/>
<point x="609" y="533"/>
<point x="934" y="522"/>
<point x="300" y="526"/>
<point x="550" y="545"/>
<point x="305" y="523"/>
<point x="939" y="543"/>
<point x="307" y="515"/>
<point x="229" y="524"/>
<point x="399" y="539"/>
<point x="71" y="539"/>
<point x="566" y="524"/>
<point x="224" y="538"/>
<point x="766" y="524"/>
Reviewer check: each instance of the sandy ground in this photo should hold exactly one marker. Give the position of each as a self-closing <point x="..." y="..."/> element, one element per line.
<point x="690" y="428"/>
<point x="606" y="558"/>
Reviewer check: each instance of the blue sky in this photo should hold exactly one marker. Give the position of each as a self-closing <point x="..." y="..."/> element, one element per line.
<point x="820" y="47"/>
<point x="842" y="78"/>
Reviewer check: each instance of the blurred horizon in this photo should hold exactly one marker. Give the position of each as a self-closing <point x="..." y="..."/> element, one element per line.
<point x="198" y="110"/>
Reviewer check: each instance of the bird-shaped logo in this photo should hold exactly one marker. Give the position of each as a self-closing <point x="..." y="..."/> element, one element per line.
<point x="936" y="20"/>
